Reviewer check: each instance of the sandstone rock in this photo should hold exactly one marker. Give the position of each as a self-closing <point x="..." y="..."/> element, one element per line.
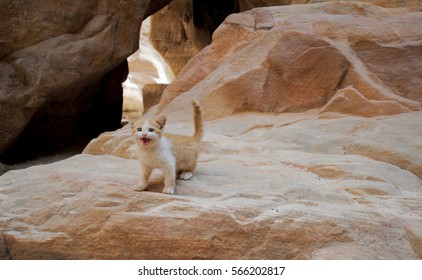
<point x="152" y="95"/>
<point x="351" y="101"/>
<point x="54" y="60"/>
<point x="136" y="103"/>
<point x="414" y="5"/>
<point x="378" y="138"/>
<point x="320" y="184"/>
<point x="266" y="187"/>
<point x="184" y="27"/>
<point x="146" y="66"/>
<point x="295" y="58"/>
<point x="324" y="180"/>
<point x="118" y="143"/>
<point x="171" y="34"/>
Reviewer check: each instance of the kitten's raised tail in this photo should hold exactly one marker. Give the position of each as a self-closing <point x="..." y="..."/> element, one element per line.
<point x="197" y="116"/>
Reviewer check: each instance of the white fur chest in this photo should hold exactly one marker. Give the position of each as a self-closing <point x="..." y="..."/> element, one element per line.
<point x="160" y="156"/>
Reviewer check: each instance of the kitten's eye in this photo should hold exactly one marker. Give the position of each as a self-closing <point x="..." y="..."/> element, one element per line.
<point x="139" y="129"/>
<point x="151" y="130"/>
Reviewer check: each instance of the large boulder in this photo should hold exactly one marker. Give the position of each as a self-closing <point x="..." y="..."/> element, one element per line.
<point x="266" y="187"/>
<point x="335" y="56"/>
<point x="339" y="178"/>
<point x="62" y="65"/>
<point x="296" y="58"/>
<point x="184" y="27"/>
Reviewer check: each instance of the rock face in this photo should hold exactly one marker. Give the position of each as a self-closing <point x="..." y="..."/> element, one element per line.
<point x="62" y="65"/>
<point x="337" y="178"/>
<point x="300" y="57"/>
<point x="267" y="187"/>
<point x="184" y="27"/>
<point x="146" y="67"/>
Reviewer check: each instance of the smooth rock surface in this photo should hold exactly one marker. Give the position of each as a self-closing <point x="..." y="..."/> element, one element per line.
<point x="289" y="186"/>
<point x="294" y="58"/>
<point x="62" y="65"/>
<point x="146" y="67"/>
<point x="339" y="181"/>
<point x="184" y="27"/>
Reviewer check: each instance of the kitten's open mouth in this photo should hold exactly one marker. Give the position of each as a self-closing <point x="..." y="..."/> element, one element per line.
<point x="145" y="141"/>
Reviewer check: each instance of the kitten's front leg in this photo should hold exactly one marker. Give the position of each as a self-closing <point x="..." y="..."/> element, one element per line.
<point x="169" y="183"/>
<point x="143" y="180"/>
<point x="169" y="180"/>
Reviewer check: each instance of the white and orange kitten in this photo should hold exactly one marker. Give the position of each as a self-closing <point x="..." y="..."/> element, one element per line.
<point x="175" y="155"/>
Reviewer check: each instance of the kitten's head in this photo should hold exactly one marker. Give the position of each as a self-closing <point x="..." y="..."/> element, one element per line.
<point x="147" y="132"/>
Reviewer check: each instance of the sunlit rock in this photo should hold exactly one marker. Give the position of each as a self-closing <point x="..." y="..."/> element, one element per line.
<point x="146" y="66"/>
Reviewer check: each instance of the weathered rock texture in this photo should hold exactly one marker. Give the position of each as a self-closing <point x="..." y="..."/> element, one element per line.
<point x="61" y="68"/>
<point x="314" y="184"/>
<point x="146" y="67"/>
<point x="291" y="186"/>
<point x="294" y="58"/>
<point x="184" y="27"/>
<point x="339" y="181"/>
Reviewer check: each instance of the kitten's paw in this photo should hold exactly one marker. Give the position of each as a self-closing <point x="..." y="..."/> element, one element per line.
<point x="185" y="175"/>
<point x="140" y="187"/>
<point x="168" y="190"/>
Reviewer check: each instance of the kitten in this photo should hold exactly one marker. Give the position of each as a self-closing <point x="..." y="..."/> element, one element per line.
<point x="175" y="155"/>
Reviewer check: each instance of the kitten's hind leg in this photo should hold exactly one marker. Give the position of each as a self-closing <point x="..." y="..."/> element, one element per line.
<point x="143" y="180"/>
<point x="185" y="175"/>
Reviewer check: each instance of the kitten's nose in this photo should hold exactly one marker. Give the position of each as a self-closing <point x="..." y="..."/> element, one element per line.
<point x="144" y="135"/>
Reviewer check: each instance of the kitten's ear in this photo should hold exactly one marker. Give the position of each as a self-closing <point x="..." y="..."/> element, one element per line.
<point x="161" y="121"/>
